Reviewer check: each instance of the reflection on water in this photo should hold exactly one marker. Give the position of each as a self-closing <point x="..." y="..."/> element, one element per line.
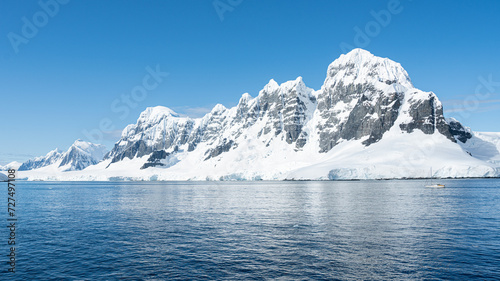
<point x="254" y="230"/>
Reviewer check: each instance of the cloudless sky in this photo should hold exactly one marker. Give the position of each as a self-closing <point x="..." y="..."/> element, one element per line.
<point x="88" y="54"/>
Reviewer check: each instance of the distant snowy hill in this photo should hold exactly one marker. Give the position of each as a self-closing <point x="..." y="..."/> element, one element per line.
<point x="42" y="161"/>
<point x="79" y="156"/>
<point x="11" y="165"/>
<point x="367" y="121"/>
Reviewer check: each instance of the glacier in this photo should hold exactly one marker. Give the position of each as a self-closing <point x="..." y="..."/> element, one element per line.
<point x="367" y="121"/>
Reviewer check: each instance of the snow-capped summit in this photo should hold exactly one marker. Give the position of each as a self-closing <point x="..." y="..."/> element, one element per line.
<point x="156" y="128"/>
<point x="271" y="86"/>
<point x="245" y="98"/>
<point x="154" y="114"/>
<point x="360" y="66"/>
<point x="218" y="108"/>
<point x="81" y="155"/>
<point x="364" y="96"/>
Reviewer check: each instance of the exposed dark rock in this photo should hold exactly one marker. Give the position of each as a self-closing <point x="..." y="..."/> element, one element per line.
<point x="155" y="158"/>
<point x="427" y="116"/>
<point x="218" y="150"/>
<point x="136" y="149"/>
<point x="459" y="132"/>
<point x="373" y="114"/>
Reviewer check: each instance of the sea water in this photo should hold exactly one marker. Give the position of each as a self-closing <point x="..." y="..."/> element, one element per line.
<point x="343" y="230"/>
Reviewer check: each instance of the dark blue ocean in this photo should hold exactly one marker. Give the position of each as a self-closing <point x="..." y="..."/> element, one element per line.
<point x="359" y="230"/>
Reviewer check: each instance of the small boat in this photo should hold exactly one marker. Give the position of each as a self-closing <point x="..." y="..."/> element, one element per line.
<point x="434" y="185"/>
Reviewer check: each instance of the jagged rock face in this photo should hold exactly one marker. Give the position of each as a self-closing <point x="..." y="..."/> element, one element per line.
<point x="157" y="128"/>
<point x="138" y="148"/>
<point x="427" y="116"/>
<point x="209" y="128"/>
<point x="219" y="149"/>
<point x="363" y="97"/>
<point x="458" y="131"/>
<point x="295" y="115"/>
<point x="285" y="109"/>
<point x="355" y="111"/>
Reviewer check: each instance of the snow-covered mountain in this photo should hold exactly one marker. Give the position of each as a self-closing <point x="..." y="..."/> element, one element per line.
<point x="80" y="155"/>
<point x="11" y="165"/>
<point x="366" y="121"/>
<point x="42" y="161"/>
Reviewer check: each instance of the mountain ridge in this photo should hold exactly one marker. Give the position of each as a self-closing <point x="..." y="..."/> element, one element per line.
<point x="80" y="155"/>
<point x="366" y="103"/>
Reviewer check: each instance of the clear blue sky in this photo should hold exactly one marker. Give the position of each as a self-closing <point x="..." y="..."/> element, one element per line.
<point x="86" y="54"/>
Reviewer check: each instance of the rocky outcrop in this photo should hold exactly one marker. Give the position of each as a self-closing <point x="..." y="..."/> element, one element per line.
<point x="458" y="131"/>
<point x="427" y="116"/>
<point x="155" y="158"/>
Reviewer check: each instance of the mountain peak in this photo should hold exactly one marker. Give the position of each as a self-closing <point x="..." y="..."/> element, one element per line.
<point x="245" y="98"/>
<point x="85" y="145"/>
<point x="358" y="54"/>
<point x="162" y="110"/>
<point x="360" y="66"/>
<point x="218" y="108"/>
<point x="271" y="86"/>
<point x="297" y="83"/>
<point x="54" y="151"/>
<point x="80" y="142"/>
<point x="153" y="114"/>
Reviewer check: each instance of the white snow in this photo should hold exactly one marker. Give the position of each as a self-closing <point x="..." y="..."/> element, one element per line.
<point x="397" y="155"/>
<point x="484" y="146"/>
<point x="364" y="63"/>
